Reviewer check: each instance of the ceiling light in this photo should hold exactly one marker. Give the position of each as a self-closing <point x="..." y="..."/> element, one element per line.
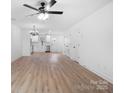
<point x="40" y="16"/>
<point x="46" y="16"/>
<point x="43" y="16"/>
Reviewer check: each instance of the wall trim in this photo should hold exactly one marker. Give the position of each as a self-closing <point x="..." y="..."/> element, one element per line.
<point x="106" y="77"/>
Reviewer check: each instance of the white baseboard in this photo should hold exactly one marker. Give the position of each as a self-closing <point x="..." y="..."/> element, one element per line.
<point x="104" y="76"/>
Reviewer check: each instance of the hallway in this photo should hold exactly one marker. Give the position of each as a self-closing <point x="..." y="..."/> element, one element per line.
<point x="54" y="73"/>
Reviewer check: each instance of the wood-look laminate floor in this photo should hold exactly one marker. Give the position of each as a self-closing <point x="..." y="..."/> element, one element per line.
<point x="54" y="73"/>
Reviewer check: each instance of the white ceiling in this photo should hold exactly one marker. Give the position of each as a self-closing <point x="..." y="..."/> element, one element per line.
<point x="74" y="11"/>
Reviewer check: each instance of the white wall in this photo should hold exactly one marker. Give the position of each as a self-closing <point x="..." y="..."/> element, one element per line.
<point x="16" y="42"/>
<point x="26" y="43"/>
<point x="58" y="45"/>
<point x="93" y="42"/>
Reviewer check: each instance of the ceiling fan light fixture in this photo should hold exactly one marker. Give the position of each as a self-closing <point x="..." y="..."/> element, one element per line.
<point x="46" y="16"/>
<point x="40" y="16"/>
<point x="43" y="16"/>
<point x="43" y="10"/>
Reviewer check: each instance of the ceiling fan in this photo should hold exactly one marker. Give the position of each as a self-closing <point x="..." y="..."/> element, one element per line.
<point x="43" y="8"/>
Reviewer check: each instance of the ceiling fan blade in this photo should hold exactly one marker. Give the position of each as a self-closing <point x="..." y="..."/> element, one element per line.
<point x="52" y="2"/>
<point x="54" y="12"/>
<point x="34" y="14"/>
<point x="30" y="7"/>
